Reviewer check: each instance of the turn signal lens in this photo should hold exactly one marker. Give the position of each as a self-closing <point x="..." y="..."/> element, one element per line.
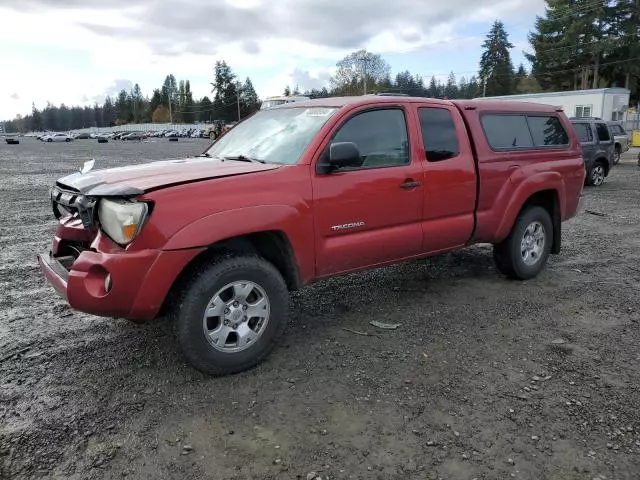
<point x="122" y="219"/>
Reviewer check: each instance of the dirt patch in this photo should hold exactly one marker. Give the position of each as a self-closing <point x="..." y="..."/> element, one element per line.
<point x="485" y="378"/>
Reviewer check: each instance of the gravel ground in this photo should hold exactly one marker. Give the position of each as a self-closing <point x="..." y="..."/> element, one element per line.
<point x="485" y="378"/>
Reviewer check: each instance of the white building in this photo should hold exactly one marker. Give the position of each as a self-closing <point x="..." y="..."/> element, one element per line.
<point x="605" y="103"/>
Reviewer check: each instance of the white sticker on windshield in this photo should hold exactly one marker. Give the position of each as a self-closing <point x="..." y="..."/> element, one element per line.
<point x="318" y="112"/>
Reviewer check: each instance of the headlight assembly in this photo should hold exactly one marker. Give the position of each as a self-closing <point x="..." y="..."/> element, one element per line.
<point x="122" y="219"/>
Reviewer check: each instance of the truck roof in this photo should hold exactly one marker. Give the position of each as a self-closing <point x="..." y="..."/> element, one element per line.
<point x="480" y="105"/>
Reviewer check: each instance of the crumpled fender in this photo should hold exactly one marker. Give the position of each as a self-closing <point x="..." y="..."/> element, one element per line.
<point x="296" y="225"/>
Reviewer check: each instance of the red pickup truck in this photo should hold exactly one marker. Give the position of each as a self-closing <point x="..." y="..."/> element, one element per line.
<point x="303" y="192"/>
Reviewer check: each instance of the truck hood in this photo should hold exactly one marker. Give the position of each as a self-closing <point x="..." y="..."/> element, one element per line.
<point x="137" y="179"/>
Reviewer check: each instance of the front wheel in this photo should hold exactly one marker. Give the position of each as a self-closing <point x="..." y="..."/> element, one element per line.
<point x="524" y="253"/>
<point x="231" y="314"/>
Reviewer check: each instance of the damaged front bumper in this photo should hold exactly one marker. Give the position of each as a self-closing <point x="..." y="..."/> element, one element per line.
<point x="95" y="275"/>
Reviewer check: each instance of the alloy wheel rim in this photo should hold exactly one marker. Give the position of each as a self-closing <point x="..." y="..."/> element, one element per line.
<point x="532" y="243"/>
<point x="236" y="316"/>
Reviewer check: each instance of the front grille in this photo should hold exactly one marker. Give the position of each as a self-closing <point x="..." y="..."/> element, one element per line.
<point x="66" y="202"/>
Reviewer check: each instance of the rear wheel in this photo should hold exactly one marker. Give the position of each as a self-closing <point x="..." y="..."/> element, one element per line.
<point x="596" y="174"/>
<point x="67" y="140"/>
<point x="49" y="140"/>
<point x="231" y="314"/>
<point x="524" y="253"/>
<point x="617" y="154"/>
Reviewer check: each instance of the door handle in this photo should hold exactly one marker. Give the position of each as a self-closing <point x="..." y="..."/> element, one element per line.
<point x="410" y="183"/>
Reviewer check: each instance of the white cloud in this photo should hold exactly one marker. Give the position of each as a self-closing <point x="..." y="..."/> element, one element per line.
<point x="302" y="39"/>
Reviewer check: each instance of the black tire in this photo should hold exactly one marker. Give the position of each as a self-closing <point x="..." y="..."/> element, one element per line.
<point x="67" y="140"/>
<point x="507" y="254"/>
<point x="617" y="154"/>
<point x="49" y="140"/>
<point x="594" y="177"/>
<point x="198" y="292"/>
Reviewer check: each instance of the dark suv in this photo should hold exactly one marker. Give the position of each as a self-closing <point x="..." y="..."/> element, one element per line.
<point x="597" y="148"/>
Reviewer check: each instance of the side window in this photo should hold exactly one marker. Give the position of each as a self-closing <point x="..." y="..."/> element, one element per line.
<point x="603" y="132"/>
<point x="584" y="132"/>
<point x="616" y="129"/>
<point x="547" y="131"/>
<point x="439" y="135"/>
<point x="506" y="132"/>
<point x="381" y="137"/>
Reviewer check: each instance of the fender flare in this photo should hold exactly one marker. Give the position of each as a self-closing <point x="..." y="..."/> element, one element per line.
<point x="220" y="226"/>
<point x="524" y="191"/>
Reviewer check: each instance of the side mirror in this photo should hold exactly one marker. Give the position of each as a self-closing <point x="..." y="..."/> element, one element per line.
<point x="344" y="154"/>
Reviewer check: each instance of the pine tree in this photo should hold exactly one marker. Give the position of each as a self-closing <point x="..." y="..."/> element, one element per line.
<point x="451" y="89"/>
<point x="496" y="68"/>
<point x="189" y="114"/>
<point x="249" y="101"/>
<point x="169" y="90"/>
<point x="473" y="88"/>
<point x="225" y="91"/>
<point x="136" y="101"/>
<point x="123" y="107"/>
<point x="155" y="102"/>
<point x="97" y="115"/>
<point x="36" y="119"/>
<point x="570" y="42"/>
<point x="433" y="88"/>
<point x="205" y="112"/>
<point x="109" y="112"/>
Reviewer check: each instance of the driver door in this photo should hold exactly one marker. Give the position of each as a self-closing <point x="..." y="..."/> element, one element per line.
<point x="369" y="214"/>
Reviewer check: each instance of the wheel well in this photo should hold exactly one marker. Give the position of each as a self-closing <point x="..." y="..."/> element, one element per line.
<point x="618" y="146"/>
<point x="548" y="199"/>
<point x="273" y="246"/>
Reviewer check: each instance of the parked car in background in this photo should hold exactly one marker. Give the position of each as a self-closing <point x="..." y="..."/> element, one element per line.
<point x="133" y="136"/>
<point x="597" y="148"/>
<point x="57" y="137"/>
<point x="337" y="185"/>
<point x="82" y="136"/>
<point x="621" y="140"/>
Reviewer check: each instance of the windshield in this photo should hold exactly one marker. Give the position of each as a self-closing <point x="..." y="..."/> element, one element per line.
<point x="273" y="136"/>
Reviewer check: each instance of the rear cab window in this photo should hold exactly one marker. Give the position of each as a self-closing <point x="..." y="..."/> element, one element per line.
<point x="508" y="131"/>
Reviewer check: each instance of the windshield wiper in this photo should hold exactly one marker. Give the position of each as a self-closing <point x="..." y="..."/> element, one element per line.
<point x="243" y="158"/>
<point x="205" y="154"/>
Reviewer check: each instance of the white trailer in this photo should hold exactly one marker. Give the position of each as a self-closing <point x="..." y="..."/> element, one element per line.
<point x="604" y="103"/>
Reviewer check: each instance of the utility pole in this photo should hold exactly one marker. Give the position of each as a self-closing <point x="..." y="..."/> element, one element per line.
<point x="238" y="98"/>
<point x="170" y="115"/>
<point x="364" y="75"/>
<point x="484" y="86"/>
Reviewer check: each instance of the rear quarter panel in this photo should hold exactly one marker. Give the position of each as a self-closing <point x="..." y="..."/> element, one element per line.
<point x="507" y="179"/>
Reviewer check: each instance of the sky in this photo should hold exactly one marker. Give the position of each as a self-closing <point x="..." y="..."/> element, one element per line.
<point x="78" y="51"/>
